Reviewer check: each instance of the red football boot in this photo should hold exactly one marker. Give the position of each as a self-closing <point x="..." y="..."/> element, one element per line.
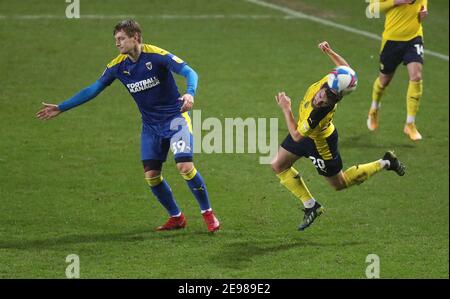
<point x="211" y="221"/>
<point x="173" y="223"/>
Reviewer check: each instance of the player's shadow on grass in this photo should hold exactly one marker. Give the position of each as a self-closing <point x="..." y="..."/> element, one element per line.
<point x="137" y="235"/>
<point x="239" y="255"/>
<point x="367" y="141"/>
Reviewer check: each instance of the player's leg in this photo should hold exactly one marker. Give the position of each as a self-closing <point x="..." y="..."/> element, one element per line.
<point x="196" y="184"/>
<point x="154" y="153"/>
<point x="289" y="152"/>
<point x="414" y="60"/>
<point x="358" y="174"/>
<point x="378" y="88"/>
<point x="182" y="146"/>
<point x="289" y="177"/>
<point x="413" y="96"/>
<point x="198" y="188"/>
<point x="390" y="58"/>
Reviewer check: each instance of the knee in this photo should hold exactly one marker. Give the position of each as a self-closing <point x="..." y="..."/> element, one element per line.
<point x="185" y="167"/>
<point x="416" y="77"/>
<point x="152" y="173"/>
<point x="274" y="166"/>
<point x="339" y="186"/>
<point x="278" y="167"/>
<point x="153" y="177"/>
<point x="385" y="80"/>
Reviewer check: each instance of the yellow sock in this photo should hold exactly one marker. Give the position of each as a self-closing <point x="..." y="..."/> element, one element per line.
<point x="190" y="174"/>
<point x="291" y="179"/>
<point x="154" y="181"/>
<point x="360" y="173"/>
<point x="412" y="99"/>
<point x="377" y="93"/>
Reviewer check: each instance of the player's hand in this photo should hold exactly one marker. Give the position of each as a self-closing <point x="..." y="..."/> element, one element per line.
<point x="49" y="111"/>
<point x="283" y="101"/>
<point x="188" y="102"/>
<point x="423" y="14"/>
<point x="325" y="47"/>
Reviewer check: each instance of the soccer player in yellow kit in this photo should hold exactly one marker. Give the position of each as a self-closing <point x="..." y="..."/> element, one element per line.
<point x="401" y="42"/>
<point x="314" y="136"/>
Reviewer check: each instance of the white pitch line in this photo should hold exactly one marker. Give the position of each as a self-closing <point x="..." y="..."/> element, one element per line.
<point x="163" y="17"/>
<point x="298" y="14"/>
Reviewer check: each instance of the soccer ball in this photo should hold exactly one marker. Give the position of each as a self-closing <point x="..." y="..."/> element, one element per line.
<point x="343" y="80"/>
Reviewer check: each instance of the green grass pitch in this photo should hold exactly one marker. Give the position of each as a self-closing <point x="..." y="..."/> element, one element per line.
<point x="74" y="185"/>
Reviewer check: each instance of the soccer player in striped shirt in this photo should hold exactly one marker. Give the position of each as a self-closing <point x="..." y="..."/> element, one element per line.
<point x="146" y="71"/>
<point x="314" y="136"/>
<point x="402" y="41"/>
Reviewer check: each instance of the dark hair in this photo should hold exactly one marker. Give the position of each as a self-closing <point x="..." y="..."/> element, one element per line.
<point x="332" y="94"/>
<point x="130" y="27"/>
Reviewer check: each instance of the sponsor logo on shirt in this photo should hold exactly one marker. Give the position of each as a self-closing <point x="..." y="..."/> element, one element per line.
<point x="177" y="59"/>
<point x="143" y="84"/>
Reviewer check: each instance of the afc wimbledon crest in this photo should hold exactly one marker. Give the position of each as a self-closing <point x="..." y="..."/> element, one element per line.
<point x="148" y="65"/>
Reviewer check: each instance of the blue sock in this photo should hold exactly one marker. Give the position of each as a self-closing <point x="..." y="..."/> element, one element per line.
<point x="198" y="188"/>
<point x="164" y="194"/>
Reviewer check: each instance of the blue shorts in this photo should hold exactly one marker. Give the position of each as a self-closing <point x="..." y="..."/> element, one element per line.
<point x="396" y="52"/>
<point x="324" y="154"/>
<point x="175" y="134"/>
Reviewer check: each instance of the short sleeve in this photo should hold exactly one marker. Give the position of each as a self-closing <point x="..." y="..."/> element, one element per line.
<point x="306" y="126"/>
<point x="303" y="128"/>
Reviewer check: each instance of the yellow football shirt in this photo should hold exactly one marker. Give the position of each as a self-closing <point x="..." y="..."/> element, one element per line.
<point x="315" y="123"/>
<point x="402" y="21"/>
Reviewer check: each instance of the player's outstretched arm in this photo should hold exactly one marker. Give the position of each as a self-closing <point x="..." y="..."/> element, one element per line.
<point x="51" y="110"/>
<point x="335" y="57"/>
<point x="285" y="104"/>
<point x="48" y="111"/>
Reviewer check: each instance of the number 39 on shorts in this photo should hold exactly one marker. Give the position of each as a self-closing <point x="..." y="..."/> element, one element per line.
<point x="179" y="147"/>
